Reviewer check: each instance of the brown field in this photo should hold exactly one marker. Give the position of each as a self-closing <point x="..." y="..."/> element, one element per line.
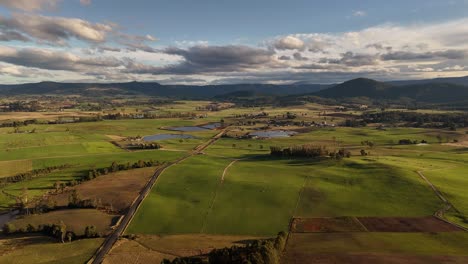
<point x="371" y="224"/>
<point x="331" y="224"/>
<point x="372" y="258"/>
<point x="75" y="219"/>
<point x="400" y="224"/>
<point x="376" y="248"/>
<point x="41" y="115"/>
<point x="116" y="189"/>
<point x="11" y="168"/>
<point x="153" y="249"/>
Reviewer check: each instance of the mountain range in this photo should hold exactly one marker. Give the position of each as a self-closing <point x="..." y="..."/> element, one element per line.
<point x="440" y="90"/>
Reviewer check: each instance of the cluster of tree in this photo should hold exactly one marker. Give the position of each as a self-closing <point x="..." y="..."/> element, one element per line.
<point x="21" y="106"/>
<point x="307" y="150"/>
<point x="31" y="174"/>
<point x="257" y="252"/>
<point x="118" y="116"/>
<point x="354" y="123"/>
<point x="58" y="231"/>
<point x="73" y="119"/>
<point x="410" y="142"/>
<point x="145" y="145"/>
<point x="18" y="123"/>
<point x="115" y="167"/>
<point x="444" y="120"/>
<point x="74" y="201"/>
<point x="368" y="143"/>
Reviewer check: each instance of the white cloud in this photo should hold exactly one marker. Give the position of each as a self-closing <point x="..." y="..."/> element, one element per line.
<point x="55" y="30"/>
<point x="359" y="13"/>
<point x="30" y="5"/>
<point x="288" y="43"/>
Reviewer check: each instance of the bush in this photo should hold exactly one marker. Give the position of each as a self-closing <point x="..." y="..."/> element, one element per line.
<point x="9" y="228"/>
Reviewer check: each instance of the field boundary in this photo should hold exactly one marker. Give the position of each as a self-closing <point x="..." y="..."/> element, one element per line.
<point x="439" y="214"/>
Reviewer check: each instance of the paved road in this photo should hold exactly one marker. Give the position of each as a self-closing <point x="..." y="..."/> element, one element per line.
<point x="112" y="238"/>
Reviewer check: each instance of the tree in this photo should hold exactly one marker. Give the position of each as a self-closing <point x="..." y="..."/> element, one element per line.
<point x="90" y="232"/>
<point x="8" y="228"/>
<point x="73" y="199"/>
<point x="59" y="231"/>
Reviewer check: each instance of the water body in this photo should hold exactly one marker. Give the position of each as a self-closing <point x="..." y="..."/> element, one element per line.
<point x="166" y="136"/>
<point x="212" y="126"/>
<point x="273" y="133"/>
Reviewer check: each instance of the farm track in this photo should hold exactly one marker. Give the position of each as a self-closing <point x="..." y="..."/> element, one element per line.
<point x="220" y="183"/>
<point x="112" y="238"/>
<point x="447" y="205"/>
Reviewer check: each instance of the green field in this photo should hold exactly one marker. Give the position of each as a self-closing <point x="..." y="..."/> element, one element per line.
<point x="38" y="249"/>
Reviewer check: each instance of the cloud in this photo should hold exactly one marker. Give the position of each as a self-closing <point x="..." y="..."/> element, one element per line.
<point x="209" y="59"/>
<point x="407" y="56"/>
<point x="289" y="43"/>
<point x="354" y="60"/>
<point x="55" y="30"/>
<point x="284" y="57"/>
<point x="298" y="56"/>
<point x="85" y="2"/>
<point x="359" y="13"/>
<point x="8" y="35"/>
<point x="55" y="60"/>
<point x="30" y="5"/>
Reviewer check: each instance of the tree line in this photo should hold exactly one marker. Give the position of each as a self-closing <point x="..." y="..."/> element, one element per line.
<point x="58" y="231"/>
<point x="115" y="167"/>
<point x="443" y="120"/>
<point x="257" y="252"/>
<point x="31" y="174"/>
<point x="308" y="151"/>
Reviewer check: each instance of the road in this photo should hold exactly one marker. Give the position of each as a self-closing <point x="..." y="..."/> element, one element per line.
<point x="112" y="238"/>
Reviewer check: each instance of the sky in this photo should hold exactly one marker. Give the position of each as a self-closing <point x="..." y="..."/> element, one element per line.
<point x="224" y="41"/>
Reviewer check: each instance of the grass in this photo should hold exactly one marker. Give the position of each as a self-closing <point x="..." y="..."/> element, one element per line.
<point x="10" y="168"/>
<point x="182" y="192"/>
<point x="38" y="249"/>
<point x="76" y="220"/>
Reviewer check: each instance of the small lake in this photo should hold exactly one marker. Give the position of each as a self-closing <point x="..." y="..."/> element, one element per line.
<point x="166" y="136"/>
<point x="273" y="133"/>
<point x="212" y="126"/>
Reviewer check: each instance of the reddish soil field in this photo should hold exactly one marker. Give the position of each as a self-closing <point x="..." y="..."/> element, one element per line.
<point x="406" y="224"/>
<point x="331" y="224"/>
<point x="371" y="258"/>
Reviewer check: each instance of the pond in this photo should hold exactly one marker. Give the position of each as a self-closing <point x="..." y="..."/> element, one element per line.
<point x="166" y="136"/>
<point x="273" y="134"/>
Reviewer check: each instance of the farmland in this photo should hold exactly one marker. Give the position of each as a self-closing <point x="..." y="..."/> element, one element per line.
<point x="234" y="190"/>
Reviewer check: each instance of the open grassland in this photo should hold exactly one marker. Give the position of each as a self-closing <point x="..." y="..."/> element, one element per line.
<point x="39" y="249"/>
<point x="377" y="248"/>
<point x="75" y="219"/>
<point x="181" y="198"/>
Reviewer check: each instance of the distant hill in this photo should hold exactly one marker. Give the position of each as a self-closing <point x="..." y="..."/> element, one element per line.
<point x="153" y="89"/>
<point x="434" y="92"/>
<point x="452" y="80"/>
<point x="360" y="87"/>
